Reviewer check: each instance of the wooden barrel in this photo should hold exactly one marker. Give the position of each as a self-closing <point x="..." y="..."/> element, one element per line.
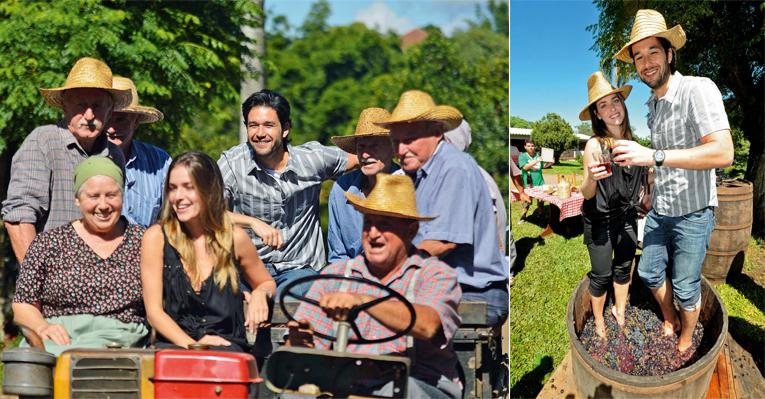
<point x="733" y="228"/>
<point x="594" y="380"/>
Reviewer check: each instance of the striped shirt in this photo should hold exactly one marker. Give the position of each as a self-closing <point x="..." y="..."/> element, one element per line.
<point x="145" y="174"/>
<point x="288" y="201"/>
<point x="436" y="288"/>
<point x="41" y="190"/>
<point x="691" y="109"/>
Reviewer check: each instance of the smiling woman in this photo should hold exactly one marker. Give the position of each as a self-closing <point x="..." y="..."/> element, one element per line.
<point x="70" y="274"/>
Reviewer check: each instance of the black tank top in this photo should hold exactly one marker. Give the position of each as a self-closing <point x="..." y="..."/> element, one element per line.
<point x="211" y="311"/>
<point x="615" y="196"/>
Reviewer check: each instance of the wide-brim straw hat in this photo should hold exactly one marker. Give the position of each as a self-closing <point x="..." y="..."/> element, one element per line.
<point x="597" y="88"/>
<point x="146" y="114"/>
<point x="392" y="195"/>
<point x="88" y="73"/>
<point x="651" y="23"/>
<point x="418" y="106"/>
<point x="364" y="128"/>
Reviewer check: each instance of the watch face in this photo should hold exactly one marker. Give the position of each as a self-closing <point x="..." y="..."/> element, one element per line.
<point x="658" y="156"/>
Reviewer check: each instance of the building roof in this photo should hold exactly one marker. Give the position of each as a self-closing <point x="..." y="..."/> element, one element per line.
<point x="415" y="36"/>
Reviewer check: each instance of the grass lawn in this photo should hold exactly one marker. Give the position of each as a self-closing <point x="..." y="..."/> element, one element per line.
<point x="550" y="270"/>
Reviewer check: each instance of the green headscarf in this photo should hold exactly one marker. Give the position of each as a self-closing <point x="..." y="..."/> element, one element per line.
<point x="97" y="166"/>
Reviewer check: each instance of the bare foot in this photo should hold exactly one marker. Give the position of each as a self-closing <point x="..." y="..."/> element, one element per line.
<point x="619" y="317"/>
<point x="683" y="346"/>
<point x="671" y="327"/>
<point x="600" y="328"/>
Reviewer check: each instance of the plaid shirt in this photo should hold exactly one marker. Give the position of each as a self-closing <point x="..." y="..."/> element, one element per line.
<point x="41" y="190"/>
<point x="288" y="202"/>
<point x="436" y="287"/>
<point x="691" y="109"/>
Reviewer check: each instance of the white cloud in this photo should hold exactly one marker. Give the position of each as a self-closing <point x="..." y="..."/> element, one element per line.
<point x="380" y="17"/>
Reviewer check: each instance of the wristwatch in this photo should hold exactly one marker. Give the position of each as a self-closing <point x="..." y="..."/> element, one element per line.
<point x="658" y="157"/>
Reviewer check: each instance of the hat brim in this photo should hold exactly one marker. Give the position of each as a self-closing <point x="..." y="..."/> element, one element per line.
<point x="675" y="35"/>
<point x="146" y="114"/>
<point x="447" y="115"/>
<point x="348" y="143"/>
<point x="624" y="90"/>
<point x="55" y="96"/>
<point x="361" y="205"/>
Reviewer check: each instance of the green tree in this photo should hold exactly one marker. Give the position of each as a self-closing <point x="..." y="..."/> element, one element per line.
<point x="181" y="55"/>
<point x="734" y="58"/>
<point x="552" y="131"/>
<point x="519" y="122"/>
<point x="584" y="128"/>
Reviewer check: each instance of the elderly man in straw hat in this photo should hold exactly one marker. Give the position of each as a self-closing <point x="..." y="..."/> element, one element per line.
<point x="691" y="137"/>
<point x="391" y="220"/>
<point x="274" y="187"/>
<point x="372" y="145"/>
<point x="146" y="165"/>
<point x="449" y="183"/>
<point x="40" y="194"/>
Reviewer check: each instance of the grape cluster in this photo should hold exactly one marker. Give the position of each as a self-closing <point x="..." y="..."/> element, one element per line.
<point x="640" y="347"/>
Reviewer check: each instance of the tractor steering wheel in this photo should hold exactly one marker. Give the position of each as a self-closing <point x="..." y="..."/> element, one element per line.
<point x="354" y="311"/>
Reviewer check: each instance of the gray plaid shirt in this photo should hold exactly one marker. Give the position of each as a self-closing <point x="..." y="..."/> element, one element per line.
<point x="41" y="190"/>
<point x="691" y="108"/>
<point x="288" y="202"/>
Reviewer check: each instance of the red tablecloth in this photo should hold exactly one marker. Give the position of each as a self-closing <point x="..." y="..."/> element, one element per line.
<point x="569" y="207"/>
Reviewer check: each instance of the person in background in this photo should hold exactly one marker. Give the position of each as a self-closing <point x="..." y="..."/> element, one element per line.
<point x="372" y="145"/>
<point x="531" y="165"/>
<point x="449" y="183"/>
<point x="65" y="294"/>
<point x="691" y="137"/>
<point x="274" y="188"/>
<point x="146" y="165"/>
<point x="40" y="190"/>
<point x="192" y="260"/>
<point x="610" y="192"/>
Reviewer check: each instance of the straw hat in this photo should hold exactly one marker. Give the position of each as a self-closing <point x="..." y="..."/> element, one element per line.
<point x="418" y="106"/>
<point x="392" y="195"/>
<point x="364" y="128"/>
<point x="597" y="88"/>
<point x="147" y="114"/>
<point x="88" y="73"/>
<point x="651" y="23"/>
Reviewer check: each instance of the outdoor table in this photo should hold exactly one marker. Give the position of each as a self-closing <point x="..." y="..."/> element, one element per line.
<point x="569" y="207"/>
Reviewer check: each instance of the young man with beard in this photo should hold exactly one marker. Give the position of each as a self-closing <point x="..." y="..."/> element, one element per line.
<point x="691" y="137"/>
<point x="40" y="193"/>
<point x="373" y="147"/>
<point x="146" y="165"/>
<point x="274" y="188"/>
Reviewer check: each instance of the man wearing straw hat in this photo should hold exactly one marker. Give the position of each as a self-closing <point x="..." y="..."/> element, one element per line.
<point x="391" y="220"/>
<point x="40" y="194"/>
<point x="274" y="187"/>
<point x="449" y="182"/>
<point x="691" y="137"/>
<point x="372" y="145"/>
<point x="146" y="165"/>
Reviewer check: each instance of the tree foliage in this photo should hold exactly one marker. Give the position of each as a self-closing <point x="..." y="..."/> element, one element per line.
<point x="181" y="55"/>
<point x="330" y="74"/>
<point x="517" y="121"/>
<point x="584" y="128"/>
<point x="552" y="131"/>
<point x="725" y="42"/>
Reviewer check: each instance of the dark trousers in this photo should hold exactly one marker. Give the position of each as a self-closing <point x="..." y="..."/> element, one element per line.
<point x="612" y="248"/>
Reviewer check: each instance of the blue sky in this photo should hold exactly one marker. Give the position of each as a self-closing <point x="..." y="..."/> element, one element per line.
<point x="550" y="61"/>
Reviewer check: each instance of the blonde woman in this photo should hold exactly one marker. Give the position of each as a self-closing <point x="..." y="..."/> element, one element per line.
<point x="191" y="263"/>
<point x="610" y="193"/>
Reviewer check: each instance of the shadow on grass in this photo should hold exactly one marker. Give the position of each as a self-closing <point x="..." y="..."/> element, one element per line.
<point x="749" y="288"/>
<point x="522" y="248"/>
<point x="531" y="383"/>
<point x="750" y="337"/>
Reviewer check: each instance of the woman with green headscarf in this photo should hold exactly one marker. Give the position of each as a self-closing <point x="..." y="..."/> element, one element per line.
<point x="80" y="284"/>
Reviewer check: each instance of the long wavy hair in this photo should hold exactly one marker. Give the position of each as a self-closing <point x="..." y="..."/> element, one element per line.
<point x="599" y="128"/>
<point x="218" y="227"/>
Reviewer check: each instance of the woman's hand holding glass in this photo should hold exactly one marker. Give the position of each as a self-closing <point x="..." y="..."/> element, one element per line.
<point x="600" y="167"/>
